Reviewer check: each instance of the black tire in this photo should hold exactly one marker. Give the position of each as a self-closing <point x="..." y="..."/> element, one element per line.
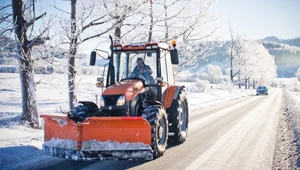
<point x="157" y="118"/>
<point x="178" y="116"/>
<point x="84" y="110"/>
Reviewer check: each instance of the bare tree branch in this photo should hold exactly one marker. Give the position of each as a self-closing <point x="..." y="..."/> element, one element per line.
<point x="43" y="33"/>
<point x="3" y="7"/>
<point x="97" y="35"/>
<point x="88" y="16"/>
<point x="2" y="19"/>
<point x="60" y="9"/>
<point x="134" y="27"/>
<point x="92" y="23"/>
<point x="37" y="41"/>
<point x="2" y="33"/>
<point x="28" y="24"/>
<point x="211" y="33"/>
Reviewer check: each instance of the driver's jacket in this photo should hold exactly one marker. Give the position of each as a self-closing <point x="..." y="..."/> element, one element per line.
<point x="143" y="70"/>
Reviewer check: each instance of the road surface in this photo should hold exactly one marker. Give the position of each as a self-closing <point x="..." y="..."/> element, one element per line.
<point x="239" y="134"/>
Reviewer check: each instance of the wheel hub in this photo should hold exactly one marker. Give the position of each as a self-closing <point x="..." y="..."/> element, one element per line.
<point x="182" y="118"/>
<point x="160" y="132"/>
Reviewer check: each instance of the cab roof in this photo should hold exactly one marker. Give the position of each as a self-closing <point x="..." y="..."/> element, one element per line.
<point x="142" y="46"/>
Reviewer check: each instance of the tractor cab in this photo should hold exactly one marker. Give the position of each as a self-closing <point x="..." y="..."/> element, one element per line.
<point x="137" y="73"/>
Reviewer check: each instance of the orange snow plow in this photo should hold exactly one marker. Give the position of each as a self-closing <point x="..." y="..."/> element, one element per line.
<point x="97" y="138"/>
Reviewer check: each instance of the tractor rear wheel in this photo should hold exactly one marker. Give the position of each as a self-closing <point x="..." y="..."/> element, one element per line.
<point x="178" y="117"/>
<point x="157" y="118"/>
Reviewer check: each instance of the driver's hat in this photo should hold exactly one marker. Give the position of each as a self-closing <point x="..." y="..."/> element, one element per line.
<point x="139" y="59"/>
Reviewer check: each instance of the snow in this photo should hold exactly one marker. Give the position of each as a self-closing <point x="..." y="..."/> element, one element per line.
<point x="61" y="143"/>
<point x="20" y="144"/>
<point x="61" y="122"/>
<point x="91" y="145"/>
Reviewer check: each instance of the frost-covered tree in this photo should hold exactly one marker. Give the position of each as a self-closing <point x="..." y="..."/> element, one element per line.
<point x="253" y="61"/>
<point x="234" y="53"/>
<point x="185" y="76"/>
<point x="86" y="20"/>
<point x="215" y="73"/>
<point x="250" y="61"/>
<point x="20" y="24"/>
<point x="123" y="10"/>
<point x="190" y="22"/>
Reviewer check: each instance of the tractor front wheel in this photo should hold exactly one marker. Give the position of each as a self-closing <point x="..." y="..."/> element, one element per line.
<point x="178" y="116"/>
<point x="157" y="118"/>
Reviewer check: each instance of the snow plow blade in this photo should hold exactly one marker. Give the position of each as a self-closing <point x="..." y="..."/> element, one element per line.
<point x="97" y="138"/>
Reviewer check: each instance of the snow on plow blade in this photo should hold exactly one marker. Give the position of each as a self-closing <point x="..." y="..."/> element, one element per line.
<point x="97" y="138"/>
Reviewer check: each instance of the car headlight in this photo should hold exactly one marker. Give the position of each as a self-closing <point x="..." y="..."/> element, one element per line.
<point x="102" y="101"/>
<point x="121" y="100"/>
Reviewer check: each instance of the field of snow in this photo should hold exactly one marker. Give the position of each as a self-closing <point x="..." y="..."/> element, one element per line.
<point x="19" y="143"/>
<point x="52" y="93"/>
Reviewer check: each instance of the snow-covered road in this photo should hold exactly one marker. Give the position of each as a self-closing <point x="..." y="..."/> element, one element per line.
<point x="239" y="134"/>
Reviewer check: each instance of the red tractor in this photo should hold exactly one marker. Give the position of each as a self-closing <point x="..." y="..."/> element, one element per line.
<point x="140" y="105"/>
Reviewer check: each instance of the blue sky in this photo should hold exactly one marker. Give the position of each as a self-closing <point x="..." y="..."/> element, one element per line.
<point x="256" y="19"/>
<point x="260" y="18"/>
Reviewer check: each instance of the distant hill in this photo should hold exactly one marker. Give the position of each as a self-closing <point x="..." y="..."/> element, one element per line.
<point x="291" y="42"/>
<point x="285" y="51"/>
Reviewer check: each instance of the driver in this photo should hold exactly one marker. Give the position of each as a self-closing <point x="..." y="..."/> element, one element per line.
<point x="141" y="69"/>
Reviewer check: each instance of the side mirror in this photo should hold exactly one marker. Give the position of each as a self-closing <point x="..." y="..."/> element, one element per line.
<point x="93" y="58"/>
<point x="174" y="56"/>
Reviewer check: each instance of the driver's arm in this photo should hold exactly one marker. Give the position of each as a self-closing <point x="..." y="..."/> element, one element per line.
<point x="148" y="69"/>
<point x="134" y="72"/>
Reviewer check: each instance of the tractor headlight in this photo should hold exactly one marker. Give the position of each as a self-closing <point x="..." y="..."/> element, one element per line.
<point x="102" y="101"/>
<point x="121" y="100"/>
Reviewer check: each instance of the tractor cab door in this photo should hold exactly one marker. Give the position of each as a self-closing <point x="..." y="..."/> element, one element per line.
<point x="167" y="72"/>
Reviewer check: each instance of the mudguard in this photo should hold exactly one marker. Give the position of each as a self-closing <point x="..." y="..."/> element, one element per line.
<point x="171" y="93"/>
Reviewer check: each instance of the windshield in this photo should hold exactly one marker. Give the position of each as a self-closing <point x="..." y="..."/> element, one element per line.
<point x="136" y="64"/>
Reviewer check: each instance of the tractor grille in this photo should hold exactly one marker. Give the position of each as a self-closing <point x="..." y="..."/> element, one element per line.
<point x="110" y="107"/>
<point x="111" y="100"/>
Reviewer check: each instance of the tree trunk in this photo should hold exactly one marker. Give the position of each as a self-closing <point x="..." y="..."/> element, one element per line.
<point x="71" y="62"/>
<point x="166" y="23"/>
<point x="246" y="83"/>
<point x="231" y="70"/>
<point x="231" y="54"/>
<point x="151" y="21"/>
<point x="118" y="34"/>
<point x="118" y="28"/>
<point x="28" y="90"/>
<point x="249" y="83"/>
<point x="253" y="84"/>
<point x="239" y="82"/>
